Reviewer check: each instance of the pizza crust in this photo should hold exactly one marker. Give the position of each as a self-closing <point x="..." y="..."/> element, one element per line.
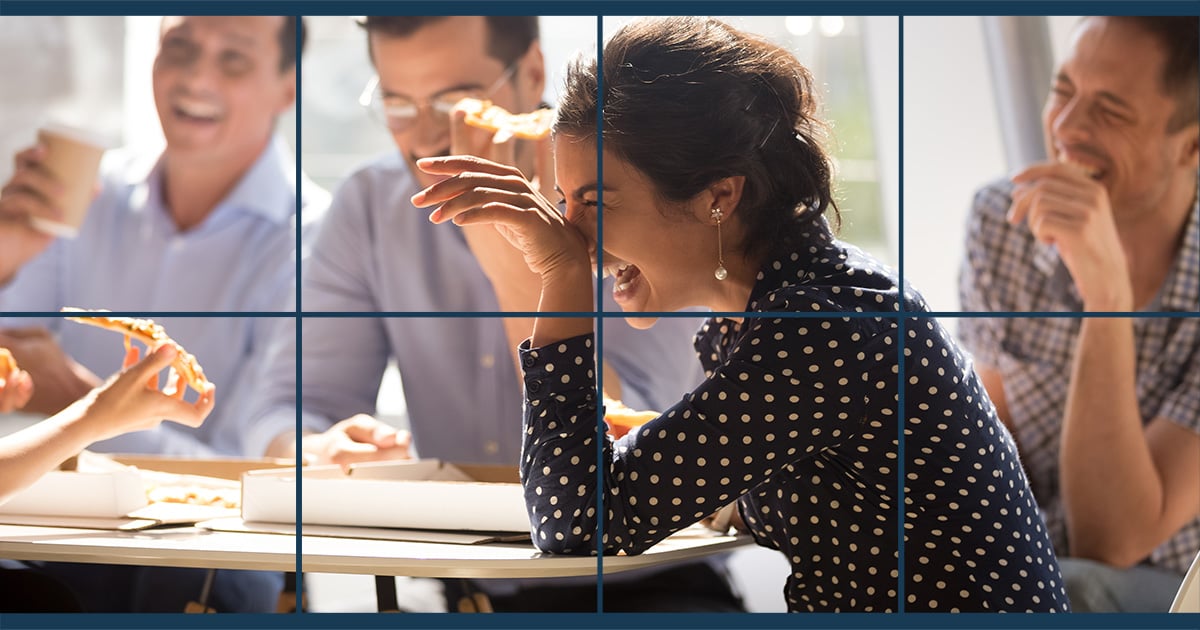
<point x="149" y="333"/>
<point x="622" y="419"/>
<point x="485" y="115"/>
<point x="8" y="364"/>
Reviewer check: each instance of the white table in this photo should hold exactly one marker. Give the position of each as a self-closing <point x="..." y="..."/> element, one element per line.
<point x="201" y="548"/>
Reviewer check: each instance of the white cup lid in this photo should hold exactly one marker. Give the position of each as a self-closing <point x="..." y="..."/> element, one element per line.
<point x="83" y="136"/>
<point x="54" y="228"/>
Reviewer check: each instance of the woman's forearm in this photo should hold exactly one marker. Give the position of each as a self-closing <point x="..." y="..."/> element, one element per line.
<point x="31" y="452"/>
<point x="568" y="291"/>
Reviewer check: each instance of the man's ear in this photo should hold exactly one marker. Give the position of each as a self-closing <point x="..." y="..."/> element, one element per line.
<point x="288" y="95"/>
<point x="725" y="193"/>
<point x="1191" y="152"/>
<point x="531" y="71"/>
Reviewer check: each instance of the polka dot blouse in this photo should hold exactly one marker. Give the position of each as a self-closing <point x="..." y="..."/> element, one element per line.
<point x="797" y="422"/>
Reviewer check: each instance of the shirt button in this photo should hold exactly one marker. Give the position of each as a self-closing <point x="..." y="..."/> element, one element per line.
<point x="491" y="447"/>
<point x="487" y="360"/>
<point x="533" y="386"/>
<point x="529" y="360"/>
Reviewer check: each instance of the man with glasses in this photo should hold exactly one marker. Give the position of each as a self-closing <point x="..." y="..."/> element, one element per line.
<point x="207" y="225"/>
<point x="376" y="252"/>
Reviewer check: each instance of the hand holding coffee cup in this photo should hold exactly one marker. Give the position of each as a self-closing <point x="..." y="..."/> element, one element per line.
<point x="48" y="194"/>
<point x="30" y="193"/>
<point x="71" y="159"/>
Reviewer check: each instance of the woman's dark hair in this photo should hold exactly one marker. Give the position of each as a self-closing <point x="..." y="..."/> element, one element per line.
<point x="688" y="101"/>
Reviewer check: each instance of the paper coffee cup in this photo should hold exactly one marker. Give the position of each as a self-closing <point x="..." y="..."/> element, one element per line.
<point x="73" y="158"/>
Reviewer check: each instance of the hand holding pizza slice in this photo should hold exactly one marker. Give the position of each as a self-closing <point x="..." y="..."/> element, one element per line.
<point x="149" y="333"/>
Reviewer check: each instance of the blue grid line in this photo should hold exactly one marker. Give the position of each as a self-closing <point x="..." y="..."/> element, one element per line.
<point x="299" y="337"/>
<point x="900" y="331"/>
<point x="600" y="427"/>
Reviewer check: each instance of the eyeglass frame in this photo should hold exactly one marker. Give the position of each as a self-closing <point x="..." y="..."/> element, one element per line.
<point x="372" y="93"/>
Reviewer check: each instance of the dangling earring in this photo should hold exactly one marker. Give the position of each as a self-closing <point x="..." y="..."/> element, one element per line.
<point x="720" y="273"/>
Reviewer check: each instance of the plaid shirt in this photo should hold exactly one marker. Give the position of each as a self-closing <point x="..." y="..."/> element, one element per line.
<point x="1006" y="270"/>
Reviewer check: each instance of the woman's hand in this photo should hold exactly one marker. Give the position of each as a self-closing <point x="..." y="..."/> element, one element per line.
<point x="131" y="401"/>
<point x="480" y="192"/>
<point x="15" y="390"/>
<point x="484" y="192"/>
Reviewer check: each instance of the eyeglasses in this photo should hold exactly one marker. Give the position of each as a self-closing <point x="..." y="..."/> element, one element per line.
<point x="398" y="112"/>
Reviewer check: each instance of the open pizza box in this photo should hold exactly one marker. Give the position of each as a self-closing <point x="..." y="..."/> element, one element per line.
<point x="425" y="501"/>
<point x="132" y="492"/>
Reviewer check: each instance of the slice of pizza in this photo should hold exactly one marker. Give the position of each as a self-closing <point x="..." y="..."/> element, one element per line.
<point x="486" y="115"/>
<point x="622" y="419"/>
<point x="147" y="332"/>
<point x="8" y="365"/>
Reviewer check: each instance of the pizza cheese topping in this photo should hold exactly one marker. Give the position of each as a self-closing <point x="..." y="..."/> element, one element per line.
<point x="485" y="115"/>
<point x="8" y="365"/>
<point x="149" y="333"/>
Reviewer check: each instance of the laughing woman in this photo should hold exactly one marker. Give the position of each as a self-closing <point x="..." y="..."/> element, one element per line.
<point x="715" y="189"/>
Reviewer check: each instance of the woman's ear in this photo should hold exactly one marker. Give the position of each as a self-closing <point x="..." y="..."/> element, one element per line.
<point x="725" y="193"/>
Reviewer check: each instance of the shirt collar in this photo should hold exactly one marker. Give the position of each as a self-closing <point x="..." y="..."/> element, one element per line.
<point x="267" y="189"/>
<point x="787" y="265"/>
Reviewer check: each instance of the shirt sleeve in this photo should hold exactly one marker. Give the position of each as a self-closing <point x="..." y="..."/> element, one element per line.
<point x="36" y="287"/>
<point x="337" y="271"/>
<point x="738" y="429"/>
<point x="1182" y="405"/>
<point x="343" y="359"/>
<point x="981" y="336"/>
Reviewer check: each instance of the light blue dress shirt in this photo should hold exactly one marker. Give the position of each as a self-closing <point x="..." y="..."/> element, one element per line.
<point x="130" y="256"/>
<point x="376" y="252"/>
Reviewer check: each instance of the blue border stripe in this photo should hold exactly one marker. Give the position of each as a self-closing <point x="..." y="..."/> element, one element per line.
<point x="618" y="7"/>
<point x="610" y="7"/>
<point x="581" y="621"/>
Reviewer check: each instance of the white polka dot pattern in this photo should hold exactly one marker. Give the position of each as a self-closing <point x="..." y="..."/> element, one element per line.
<point x="797" y="420"/>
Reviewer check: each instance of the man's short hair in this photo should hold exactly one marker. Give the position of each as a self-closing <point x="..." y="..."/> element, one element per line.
<point x="287" y="41"/>
<point x="1180" y="79"/>
<point x="509" y="36"/>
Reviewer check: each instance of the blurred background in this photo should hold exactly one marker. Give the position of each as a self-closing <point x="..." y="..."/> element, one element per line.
<point x="91" y="72"/>
<point x="973" y="94"/>
<point x="852" y="58"/>
<point x="95" y="72"/>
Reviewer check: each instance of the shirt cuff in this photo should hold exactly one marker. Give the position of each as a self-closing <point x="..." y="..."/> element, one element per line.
<point x="557" y="368"/>
<point x="258" y="436"/>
